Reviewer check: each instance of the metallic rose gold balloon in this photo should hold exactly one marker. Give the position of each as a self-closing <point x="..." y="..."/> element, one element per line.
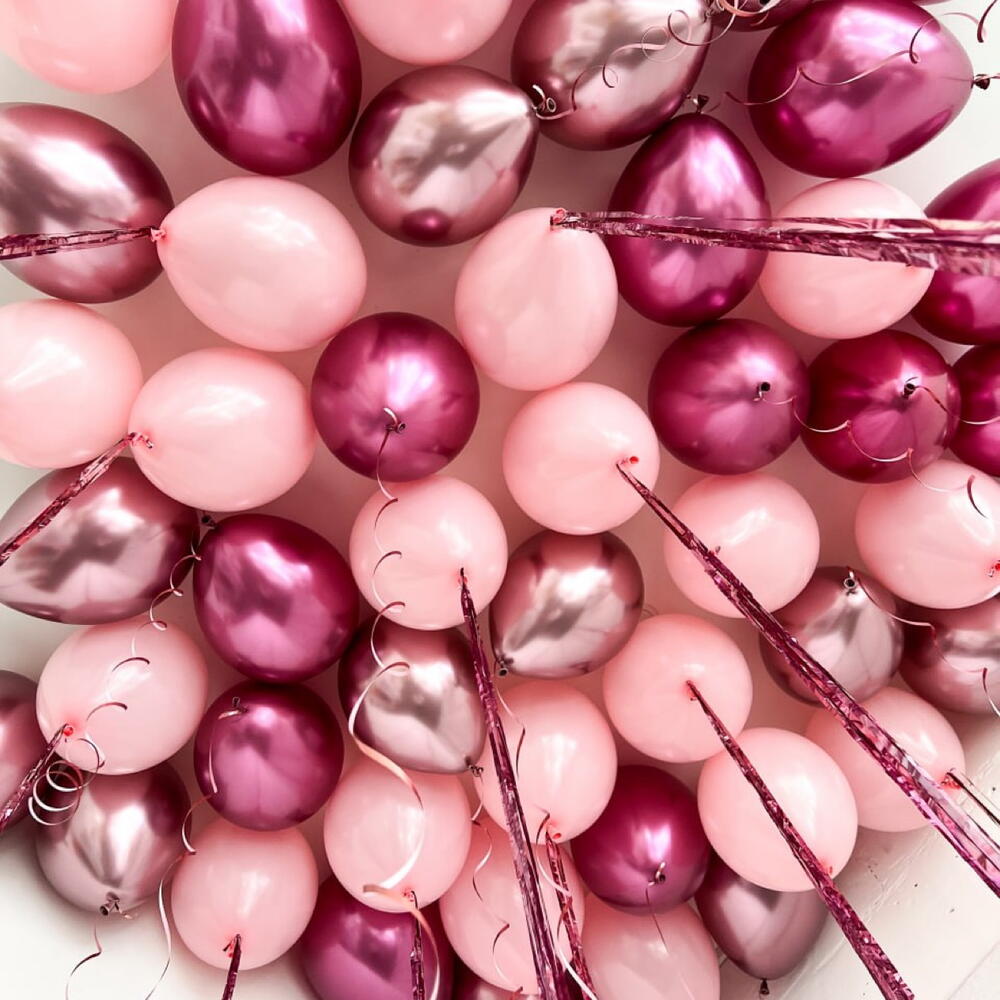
<point x="440" y="154"/>
<point x="21" y="741"/>
<point x="62" y="171"/>
<point x="567" y="604"/>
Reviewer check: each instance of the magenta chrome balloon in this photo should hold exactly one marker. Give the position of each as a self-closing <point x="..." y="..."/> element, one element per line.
<point x="977" y="439"/>
<point x="21" y="741"/>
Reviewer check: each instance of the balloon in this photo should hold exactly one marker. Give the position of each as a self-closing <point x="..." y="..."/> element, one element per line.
<point x="766" y="933"/>
<point x="566" y="759"/>
<point x="120" y="839"/>
<point x="21" y="741"/>
<point x="273" y="763"/>
<point x="394" y="369"/>
<point x="272" y="85"/>
<point x="567" y="604"/>
<point x="809" y="787"/>
<point x="91" y="46"/>
<point x="598" y="64"/>
<point x="351" y="950"/>
<point x="440" y="154"/>
<point x="921" y="730"/>
<point x="261" y="886"/>
<point x="758" y="15"/>
<point x="274" y="599"/>
<point x="647" y="850"/>
<point x="977" y="440"/>
<point x="376" y="830"/>
<point x="762" y="529"/>
<point x="230" y="429"/>
<point x="108" y="555"/>
<point x="693" y="167"/>
<point x="834" y="91"/>
<point x="423" y="712"/>
<point x="728" y="397"/>
<point x="935" y="541"/>
<point x="535" y="305"/>
<point x="67" y="381"/>
<point x="440" y="526"/>
<point x="845" y="621"/>
<point x="265" y="263"/>
<point x="838" y="298"/>
<point x="646" y="684"/>
<point x="158" y="675"/>
<point x="561" y="457"/>
<point x="100" y="180"/>
<point x="469" y="986"/>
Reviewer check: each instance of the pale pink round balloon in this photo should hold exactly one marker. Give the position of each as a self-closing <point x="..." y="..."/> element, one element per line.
<point x="810" y="788"/>
<point x="230" y="429"/>
<point x="264" y="262"/>
<point x="440" y="526"/>
<point x="646" y="684"/>
<point x="260" y="885"/>
<point x="91" y="46"/>
<point x="566" y="762"/>
<point x="561" y="457"/>
<point x="534" y="305"/>
<point x="762" y="529"/>
<point x="835" y="297"/>
<point x="927" y="541"/>
<point x="159" y="676"/>
<point x="628" y="958"/>
<point x="377" y="832"/>
<point x="68" y="378"/>
<point x="920" y="729"/>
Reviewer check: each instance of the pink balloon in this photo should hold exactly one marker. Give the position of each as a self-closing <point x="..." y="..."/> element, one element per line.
<point x="628" y="957"/>
<point x="68" y="378"/>
<point x="839" y="298"/>
<point x="231" y="429"/>
<point x="158" y="675"/>
<point x="920" y="729"/>
<point x="763" y="530"/>
<point x="810" y="788"/>
<point x="376" y="831"/>
<point x="440" y="526"/>
<point x="535" y="305"/>
<point x="561" y="455"/>
<point x="264" y="262"/>
<point x="927" y="541"/>
<point x="260" y="885"/>
<point x="646" y="683"/>
<point x="566" y="761"/>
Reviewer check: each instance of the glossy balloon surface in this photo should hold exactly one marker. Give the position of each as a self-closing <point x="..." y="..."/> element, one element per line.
<point x="977" y="439"/>
<point x="21" y="741"/>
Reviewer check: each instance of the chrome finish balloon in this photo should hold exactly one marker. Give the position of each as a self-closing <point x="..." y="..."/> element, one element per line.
<point x="21" y="741"/>
<point x="977" y="438"/>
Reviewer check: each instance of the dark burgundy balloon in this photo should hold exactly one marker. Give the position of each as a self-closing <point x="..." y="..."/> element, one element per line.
<point x="275" y="600"/>
<point x="728" y="397"/>
<point x="890" y="394"/>
<point x="273" y="85"/>
<point x="694" y="166"/>
<point x="406" y="365"/>
<point x="884" y="114"/>
<point x="647" y="850"/>
<point x="977" y="439"/>
<point x="21" y="741"/>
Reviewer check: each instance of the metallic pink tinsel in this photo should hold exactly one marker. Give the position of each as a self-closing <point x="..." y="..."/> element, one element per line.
<point x="39" y="244"/>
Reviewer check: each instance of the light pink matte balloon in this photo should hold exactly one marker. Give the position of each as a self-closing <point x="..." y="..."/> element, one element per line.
<point x="439" y="525"/>
<point x="374" y="828"/>
<point x="561" y="455"/>
<point x="160" y="676"/>
<point x="763" y="530"/>
<point x="807" y="784"/>
<point x="566" y="763"/>
<point x="68" y="378"/>
<point x="920" y="729"/>
<point x="481" y="902"/>
<point x="92" y="46"/>
<point x="646" y="693"/>
<point x="927" y="542"/>
<point x="838" y="298"/>
<point x="231" y="429"/>
<point x="627" y="957"/>
<point x="534" y="305"/>
<point x="265" y="262"/>
<point x="260" y="885"/>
